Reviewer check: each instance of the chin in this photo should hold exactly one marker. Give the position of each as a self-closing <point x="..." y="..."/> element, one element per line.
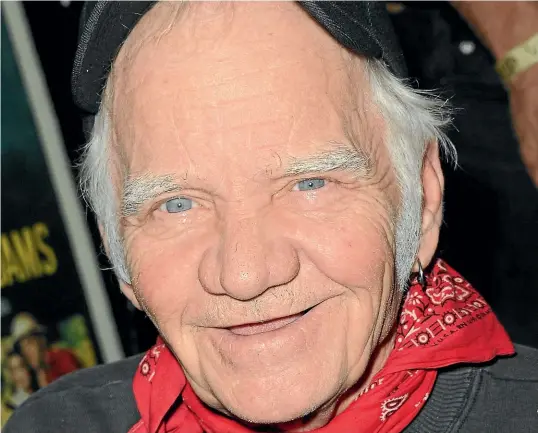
<point x="282" y="392"/>
<point x="278" y="405"/>
<point x="284" y="374"/>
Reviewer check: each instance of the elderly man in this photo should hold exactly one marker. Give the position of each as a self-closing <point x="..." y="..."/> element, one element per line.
<point x="269" y="192"/>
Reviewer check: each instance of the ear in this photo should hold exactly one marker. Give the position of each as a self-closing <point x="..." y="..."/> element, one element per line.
<point x="128" y="291"/>
<point x="432" y="208"/>
<point x="126" y="288"/>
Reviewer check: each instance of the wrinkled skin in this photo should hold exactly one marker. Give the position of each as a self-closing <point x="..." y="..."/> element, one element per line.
<point x="222" y="102"/>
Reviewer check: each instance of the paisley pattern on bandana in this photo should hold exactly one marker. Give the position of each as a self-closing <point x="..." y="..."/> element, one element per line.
<point x="448" y="305"/>
<point x="447" y="323"/>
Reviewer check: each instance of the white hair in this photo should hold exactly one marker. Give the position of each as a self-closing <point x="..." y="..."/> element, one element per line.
<point x="413" y="120"/>
<point x="98" y="190"/>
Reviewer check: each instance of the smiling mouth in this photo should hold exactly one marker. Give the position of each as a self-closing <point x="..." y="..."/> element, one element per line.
<point x="267" y="326"/>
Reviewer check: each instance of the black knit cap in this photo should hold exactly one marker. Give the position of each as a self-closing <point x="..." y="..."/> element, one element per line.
<point x="363" y="27"/>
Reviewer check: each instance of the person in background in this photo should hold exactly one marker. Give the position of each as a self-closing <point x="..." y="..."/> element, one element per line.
<point x="491" y="208"/>
<point x="47" y="363"/>
<point x="19" y="382"/>
<point x="510" y="31"/>
<point x="21" y="378"/>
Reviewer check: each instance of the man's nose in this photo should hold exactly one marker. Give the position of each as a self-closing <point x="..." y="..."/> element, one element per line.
<point x="247" y="261"/>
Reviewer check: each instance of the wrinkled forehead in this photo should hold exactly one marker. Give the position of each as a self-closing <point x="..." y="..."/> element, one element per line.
<point x="202" y="65"/>
<point x="186" y="32"/>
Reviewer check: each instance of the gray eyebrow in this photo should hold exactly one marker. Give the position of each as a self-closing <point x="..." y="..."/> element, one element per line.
<point x="139" y="190"/>
<point x="341" y="157"/>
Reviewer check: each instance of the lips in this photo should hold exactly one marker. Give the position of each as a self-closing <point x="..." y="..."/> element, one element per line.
<point x="269" y="325"/>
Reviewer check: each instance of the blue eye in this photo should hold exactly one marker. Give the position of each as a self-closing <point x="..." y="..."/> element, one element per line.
<point x="175" y="205"/>
<point x="310" y="184"/>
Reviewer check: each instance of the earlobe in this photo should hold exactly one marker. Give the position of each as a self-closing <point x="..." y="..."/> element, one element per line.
<point x="432" y="209"/>
<point x="127" y="290"/>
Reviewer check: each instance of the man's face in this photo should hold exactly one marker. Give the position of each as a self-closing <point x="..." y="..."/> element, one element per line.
<point x="238" y="122"/>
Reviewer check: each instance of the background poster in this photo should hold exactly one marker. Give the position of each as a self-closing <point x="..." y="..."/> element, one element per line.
<point x="51" y="322"/>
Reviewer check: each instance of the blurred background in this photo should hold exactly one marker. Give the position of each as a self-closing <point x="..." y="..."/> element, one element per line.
<point x="58" y="306"/>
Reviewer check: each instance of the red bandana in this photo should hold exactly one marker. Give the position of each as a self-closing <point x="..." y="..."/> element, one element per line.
<point x="446" y="324"/>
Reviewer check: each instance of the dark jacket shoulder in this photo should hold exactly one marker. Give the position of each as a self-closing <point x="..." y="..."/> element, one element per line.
<point x="496" y="397"/>
<point x="93" y="400"/>
<point x="521" y="367"/>
<point x="506" y="396"/>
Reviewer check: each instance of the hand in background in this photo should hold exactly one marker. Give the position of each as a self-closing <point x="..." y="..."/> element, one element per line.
<point x="502" y="26"/>
<point x="524" y="109"/>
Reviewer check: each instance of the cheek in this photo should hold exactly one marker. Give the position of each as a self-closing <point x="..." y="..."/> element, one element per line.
<point x="351" y="247"/>
<point x="165" y="274"/>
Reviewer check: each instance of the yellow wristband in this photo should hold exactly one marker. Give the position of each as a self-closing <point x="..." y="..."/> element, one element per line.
<point x="518" y="59"/>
